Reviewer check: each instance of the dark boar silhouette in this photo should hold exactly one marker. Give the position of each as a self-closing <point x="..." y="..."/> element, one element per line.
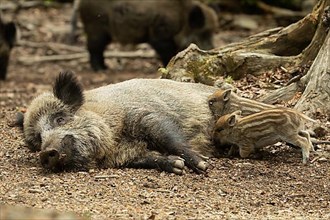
<point x="167" y="25"/>
<point x="7" y="39"/>
<point x="141" y="123"/>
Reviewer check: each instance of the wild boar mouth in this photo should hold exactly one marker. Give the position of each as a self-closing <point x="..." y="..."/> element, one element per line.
<point x="64" y="158"/>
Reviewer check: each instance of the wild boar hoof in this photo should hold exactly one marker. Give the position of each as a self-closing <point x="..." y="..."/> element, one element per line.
<point x="179" y="171"/>
<point x="305" y="159"/>
<point x="178" y="165"/>
<point x="202" y="165"/>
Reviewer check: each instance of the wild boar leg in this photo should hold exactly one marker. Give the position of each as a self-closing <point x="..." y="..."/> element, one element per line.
<point x="167" y="136"/>
<point x="307" y="135"/>
<point x="154" y="160"/>
<point x="96" y="45"/>
<point x="245" y="150"/>
<point x="166" y="49"/>
<point x="3" y="67"/>
<point x="233" y="151"/>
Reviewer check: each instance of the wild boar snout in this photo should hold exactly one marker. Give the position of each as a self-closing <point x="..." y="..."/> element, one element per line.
<point x="49" y="158"/>
<point x="55" y="157"/>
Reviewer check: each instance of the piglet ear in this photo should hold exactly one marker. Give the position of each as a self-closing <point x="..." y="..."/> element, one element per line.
<point x="68" y="89"/>
<point x="226" y="95"/>
<point x="232" y="120"/>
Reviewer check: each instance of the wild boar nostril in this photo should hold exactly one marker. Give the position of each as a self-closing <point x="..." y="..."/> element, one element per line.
<point x="49" y="158"/>
<point x="53" y="153"/>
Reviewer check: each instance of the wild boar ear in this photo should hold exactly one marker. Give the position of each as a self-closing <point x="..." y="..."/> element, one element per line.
<point x="68" y="89"/>
<point x="18" y="121"/>
<point x="226" y="95"/>
<point x="232" y="120"/>
<point x="10" y="33"/>
<point x="196" y="17"/>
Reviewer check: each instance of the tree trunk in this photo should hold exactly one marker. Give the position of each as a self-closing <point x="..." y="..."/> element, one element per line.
<point x="316" y="96"/>
<point x="300" y="44"/>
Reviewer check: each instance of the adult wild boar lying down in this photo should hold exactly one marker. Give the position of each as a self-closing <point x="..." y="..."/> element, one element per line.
<point x="141" y="123"/>
<point x="167" y="25"/>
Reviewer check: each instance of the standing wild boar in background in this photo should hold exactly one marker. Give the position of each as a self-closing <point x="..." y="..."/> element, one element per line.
<point x="262" y="129"/>
<point x="141" y="123"/>
<point x="167" y="25"/>
<point x="7" y="39"/>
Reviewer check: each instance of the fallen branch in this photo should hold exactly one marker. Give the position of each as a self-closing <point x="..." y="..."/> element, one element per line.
<point x="108" y="54"/>
<point x="50" y="45"/>
<point x="279" y="11"/>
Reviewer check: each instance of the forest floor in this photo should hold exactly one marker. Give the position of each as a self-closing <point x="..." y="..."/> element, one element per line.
<point x="278" y="186"/>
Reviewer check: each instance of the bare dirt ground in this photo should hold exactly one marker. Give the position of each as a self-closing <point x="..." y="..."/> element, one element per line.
<point x="278" y="186"/>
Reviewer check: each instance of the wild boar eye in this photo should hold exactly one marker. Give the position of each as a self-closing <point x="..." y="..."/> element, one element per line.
<point x="38" y="138"/>
<point x="210" y="103"/>
<point x="60" y="121"/>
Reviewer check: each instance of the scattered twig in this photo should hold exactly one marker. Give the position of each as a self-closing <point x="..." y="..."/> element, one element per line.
<point x="284" y="69"/>
<point x="163" y="190"/>
<point x="294" y="79"/>
<point x="315" y="141"/>
<point x="320" y="159"/>
<point x="105" y="177"/>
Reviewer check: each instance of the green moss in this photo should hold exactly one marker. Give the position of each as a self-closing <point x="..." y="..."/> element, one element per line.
<point x="203" y="70"/>
<point x="163" y="71"/>
<point x="229" y="80"/>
